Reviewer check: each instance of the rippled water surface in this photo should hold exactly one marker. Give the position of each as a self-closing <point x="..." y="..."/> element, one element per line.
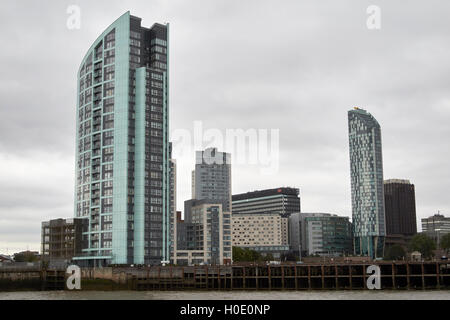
<point x="218" y="295"/>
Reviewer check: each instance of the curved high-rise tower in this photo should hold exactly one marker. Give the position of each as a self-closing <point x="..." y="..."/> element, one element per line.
<point x="366" y="167"/>
<point x="122" y="157"/>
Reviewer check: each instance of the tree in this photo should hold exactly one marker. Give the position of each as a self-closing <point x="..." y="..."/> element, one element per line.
<point x="445" y="242"/>
<point x="424" y="244"/>
<point x="246" y="255"/>
<point x="25" y="256"/>
<point x="269" y="257"/>
<point x="395" y="252"/>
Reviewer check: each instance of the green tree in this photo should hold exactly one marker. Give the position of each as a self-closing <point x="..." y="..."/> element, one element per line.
<point x="269" y="257"/>
<point x="395" y="252"/>
<point x="238" y="254"/>
<point x="445" y="242"/>
<point x="26" y="256"/>
<point x="246" y="255"/>
<point x="424" y="244"/>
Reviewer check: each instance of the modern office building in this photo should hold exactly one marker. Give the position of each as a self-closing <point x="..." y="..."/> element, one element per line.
<point x="122" y="153"/>
<point x="207" y="233"/>
<point x="321" y="234"/>
<point x="328" y="235"/>
<point x="366" y="170"/>
<point x="62" y="239"/>
<point x="400" y="207"/>
<point x="436" y="226"/>
<point x="211" y="179"/>
<point x="283" y="201"/>
<point x="400" y="211"/>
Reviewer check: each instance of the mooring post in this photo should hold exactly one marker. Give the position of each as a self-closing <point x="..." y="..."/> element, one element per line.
<point x="257" y="277"/>
<point x="364" y="277"/>
<point x="350" y="273"/>
<point x="282" y="277"/>
<point x="322" y="269"/>
<point x="231" y="284"/>
<point x="183" y="281"/>
<point x="309" y="277"/>
<point x="243" y="277"/>
<point x="438" y="278"/>
<point x="159" y="277"/>
<point x="423" y="276"/>
<point x="337" y="276"/>
<point x="270" y="278"/>
<point x="394" y="285"/>
<point x="206" y="275"/>
<point x="296" y="277"/>
<point x="218" y="276"/>
<point x="195" y="277"/>
<point x="407" y="276"/>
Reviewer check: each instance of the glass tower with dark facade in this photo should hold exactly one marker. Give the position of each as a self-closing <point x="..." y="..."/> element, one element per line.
<point x="122" y="157"/>
<point x="366" y="169"/>
<point x="400" y="207"/>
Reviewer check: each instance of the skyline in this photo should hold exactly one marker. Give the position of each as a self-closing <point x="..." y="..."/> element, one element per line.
<point x="37" y="153"/>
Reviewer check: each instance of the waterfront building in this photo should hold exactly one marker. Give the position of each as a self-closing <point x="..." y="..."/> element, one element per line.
<point x="207" y="232"/>
<point x="321" y="234"/>
<point x="262" y="232"/>
<point x="400" y="211"/>
<point x="283" y="201"/>
<point x="62" y="239"/>
<point x="366" y="171"/>
<point x="122" y="149"/>
<point x="436" y="226"/>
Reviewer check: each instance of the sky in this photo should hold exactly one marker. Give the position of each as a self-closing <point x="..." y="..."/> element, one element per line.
<point x="292" y="66"/>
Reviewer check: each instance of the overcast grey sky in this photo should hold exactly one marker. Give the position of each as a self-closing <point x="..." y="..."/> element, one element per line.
<point x="297" y="66"/>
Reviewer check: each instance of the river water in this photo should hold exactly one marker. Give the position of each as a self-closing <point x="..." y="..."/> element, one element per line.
<point x="220" y="295"/>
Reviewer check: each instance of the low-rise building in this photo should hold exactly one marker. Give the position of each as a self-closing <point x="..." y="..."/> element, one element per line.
<point x="259" y="229"/>
<point x="62" y="239"/>
<point x="436" y="226"/>
<point x="266" y="233"/>
<point x="322" y="234"/>
<point x="207" y="231"/>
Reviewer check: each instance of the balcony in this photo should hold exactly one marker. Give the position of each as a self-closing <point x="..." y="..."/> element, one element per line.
<point x="98" y="105"/>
